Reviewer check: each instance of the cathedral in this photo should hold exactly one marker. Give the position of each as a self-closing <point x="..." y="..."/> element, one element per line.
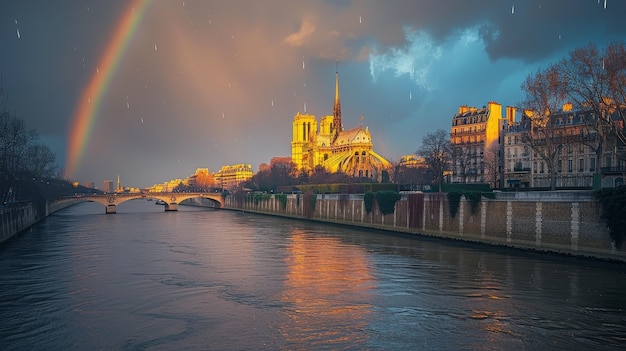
<point x="337" y="150"/>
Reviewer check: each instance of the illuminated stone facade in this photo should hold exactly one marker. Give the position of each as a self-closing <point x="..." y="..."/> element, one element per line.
<point x="337" y="150"/>
<point x="476" y="145"/>
<point x="576" y="162"/>
<point x="231" y="177"/>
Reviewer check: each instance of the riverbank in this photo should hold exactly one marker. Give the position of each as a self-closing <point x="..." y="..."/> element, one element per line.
<point x="566" y="223"/>
<point x="16" y="219"/>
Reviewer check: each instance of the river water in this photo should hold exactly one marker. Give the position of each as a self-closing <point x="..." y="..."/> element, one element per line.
<point x="204" y="279"/>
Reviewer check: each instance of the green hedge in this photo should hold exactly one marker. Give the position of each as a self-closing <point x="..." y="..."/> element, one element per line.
<point x="368" y="200"/>
<point x="256" y="198"/>
<point x="474" y="199"/>
<point x="386" y="201"/>
<point x="613" y="203"/>
<point x="282" y="198"/>
<point x="454" y="200"/>
<point x="463" y="188"/>
<point x="342" y="188"/>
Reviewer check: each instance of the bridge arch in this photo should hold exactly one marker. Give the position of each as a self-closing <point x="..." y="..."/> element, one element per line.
<point x="170" y="200"/>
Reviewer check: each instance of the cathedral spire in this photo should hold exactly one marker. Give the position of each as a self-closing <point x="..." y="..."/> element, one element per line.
<point x="337" y="125"/>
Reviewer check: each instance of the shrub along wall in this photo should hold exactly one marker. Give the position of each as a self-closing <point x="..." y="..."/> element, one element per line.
<point x="553" y="223"/>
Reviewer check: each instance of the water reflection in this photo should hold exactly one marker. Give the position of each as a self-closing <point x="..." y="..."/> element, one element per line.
<point x="328" y="283"/>
<point x="220" y="280"/>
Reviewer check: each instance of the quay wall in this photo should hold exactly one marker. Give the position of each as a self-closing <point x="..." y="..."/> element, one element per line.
<point x="16" y="219"/>
<point x="556" y="222"/>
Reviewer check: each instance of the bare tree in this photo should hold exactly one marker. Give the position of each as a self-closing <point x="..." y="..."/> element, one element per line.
<point x="545" y="94"/>
<point x="14" y="141"/>
<point x="492" y="165"/>
<point x="435" y="149"/>
<point x="596" y="81"/>
<point x="40" y="160"/>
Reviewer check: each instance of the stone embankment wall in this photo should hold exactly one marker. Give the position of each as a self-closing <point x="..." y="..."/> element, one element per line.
<point x="14" y="220"/>
<point x="559" y="222"/>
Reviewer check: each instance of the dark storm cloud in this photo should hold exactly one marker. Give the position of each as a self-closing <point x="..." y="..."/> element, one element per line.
<point x="212" y="83"/>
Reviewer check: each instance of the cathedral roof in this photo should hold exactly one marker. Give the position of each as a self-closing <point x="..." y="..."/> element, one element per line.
<point x="337" y="161"/>
<point x="351" y="136"/>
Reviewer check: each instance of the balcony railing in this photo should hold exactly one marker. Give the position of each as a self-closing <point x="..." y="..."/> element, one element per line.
<point x="613" y="170"/>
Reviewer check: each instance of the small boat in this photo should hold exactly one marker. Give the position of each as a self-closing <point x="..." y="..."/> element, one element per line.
<point x="160" y="202"/>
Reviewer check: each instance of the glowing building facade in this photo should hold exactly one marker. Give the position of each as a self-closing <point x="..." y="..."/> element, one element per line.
<point x="333" y="148"/>
<point x="476" y="143"/>
<point x="231" y="177"/>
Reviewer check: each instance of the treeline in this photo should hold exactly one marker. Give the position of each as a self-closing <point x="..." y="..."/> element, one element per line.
<point x="28" y="170"/>
<point x="282" y="176"/>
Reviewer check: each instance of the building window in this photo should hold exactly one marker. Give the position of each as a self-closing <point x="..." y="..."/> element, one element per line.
<point x="581" y="165"/>
<point x="569" y="165"/>
<point x="559" y="166"/>
<point x="592" y="164"/>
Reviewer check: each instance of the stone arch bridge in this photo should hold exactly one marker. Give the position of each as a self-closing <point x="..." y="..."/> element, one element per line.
<point x="169" y="200"/>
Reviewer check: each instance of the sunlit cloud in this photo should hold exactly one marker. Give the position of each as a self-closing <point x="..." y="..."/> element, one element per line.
<point x="306" y="30"/>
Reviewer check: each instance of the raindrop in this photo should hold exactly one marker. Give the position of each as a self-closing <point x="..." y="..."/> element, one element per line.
<point x="222" y="115"/>
<point x="127" y="105"/>
<point x="97" y="70"/>
<point x="605" y="4"/>
<point x="513" y="9"/>
<point x="18" y="33"/>
<point x="410" y="95"/>
<point x="155" y="47"/>
<point x="360" y="19"/>
<point x="141" y="120"/>
<point x="305" y="107"/>
<point x="302" y="62"/>
<point x="272" y="102"/>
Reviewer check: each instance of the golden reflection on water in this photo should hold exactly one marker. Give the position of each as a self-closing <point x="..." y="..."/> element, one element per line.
<point x="489" y="306"/>
<point x="327" y="283"/>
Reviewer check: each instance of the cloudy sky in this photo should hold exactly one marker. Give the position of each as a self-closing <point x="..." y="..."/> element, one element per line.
<point x="152" y="90"/>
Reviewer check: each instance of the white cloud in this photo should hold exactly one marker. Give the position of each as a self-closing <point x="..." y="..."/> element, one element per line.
<point x="415" y="59"/>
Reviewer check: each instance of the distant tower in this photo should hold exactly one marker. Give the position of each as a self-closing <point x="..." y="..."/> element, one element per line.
<point x="118" y="188"/>
<point x="337" y="127"/>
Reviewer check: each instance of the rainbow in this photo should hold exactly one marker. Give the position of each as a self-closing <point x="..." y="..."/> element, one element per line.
<point x="86" y="109"/>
